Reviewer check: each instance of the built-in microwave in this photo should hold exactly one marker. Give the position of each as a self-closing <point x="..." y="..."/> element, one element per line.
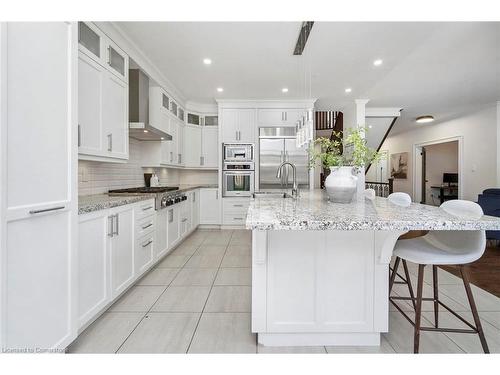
<point x="238" y="152"/>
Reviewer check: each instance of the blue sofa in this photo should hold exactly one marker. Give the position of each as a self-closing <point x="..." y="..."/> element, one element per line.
<point x="489" y="201"/>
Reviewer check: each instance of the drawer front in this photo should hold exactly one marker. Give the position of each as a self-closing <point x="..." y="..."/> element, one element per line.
<point x="144" y="209"/>
<point x="145" y="226"/>
<point x="143" y="254"/>
<point x="235" y="218"/>
<point x="235" y="205"/>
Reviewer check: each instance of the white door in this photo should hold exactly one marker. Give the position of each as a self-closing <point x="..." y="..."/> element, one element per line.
<point x="161" y="234"/>
<point x="90" y="77"/>
<point x="209" y="206"/>
<point x="38" y="133"/>
<point x="210" y="147"/>
<point x="115" y="116"/>
<point x="122" y="248"/>
<point x="192" y="146"/>
<point x="246" y="125"/>
<point x="93" y="285"/>
<point x="230" y="125"/>
<point x="172" y="225"/>
<point x="183" y="218"/>
<point x="173" y="144"/>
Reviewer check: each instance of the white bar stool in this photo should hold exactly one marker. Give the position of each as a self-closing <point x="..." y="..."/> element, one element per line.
<point x="441" y="248"/>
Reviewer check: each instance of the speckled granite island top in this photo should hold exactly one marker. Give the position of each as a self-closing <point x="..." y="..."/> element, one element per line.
<point x="312" y="211"/>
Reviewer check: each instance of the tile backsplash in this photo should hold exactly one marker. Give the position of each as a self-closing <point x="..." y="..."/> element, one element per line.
<point x="97" y="177"/>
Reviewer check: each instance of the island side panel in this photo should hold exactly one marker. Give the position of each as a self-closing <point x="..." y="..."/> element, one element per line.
<point x="259" y="280"/>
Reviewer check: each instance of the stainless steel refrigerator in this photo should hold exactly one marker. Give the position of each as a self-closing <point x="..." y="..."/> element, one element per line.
<point x="275" y="146"/>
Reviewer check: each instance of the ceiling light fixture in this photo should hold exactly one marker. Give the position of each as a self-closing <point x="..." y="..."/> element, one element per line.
<point x="370" y="126"/>
<point x="378" y="62"/>
<point x="348" y="90"/>
<point x="162" y="138"/>
<point x="145" y="131"/>
<point x="220" y="89"/>
<point x="284" y="89"/>
<point x="207" y="61"/>
<point x="425" y="119"/>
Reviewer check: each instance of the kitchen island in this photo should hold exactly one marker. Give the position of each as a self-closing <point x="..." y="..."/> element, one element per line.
<point x="320" y="270"/>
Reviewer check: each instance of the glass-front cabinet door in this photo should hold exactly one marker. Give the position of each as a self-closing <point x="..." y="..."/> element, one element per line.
<point x="211" y="120"/>
<point x="117" y="61"/>
<point x="90" y="40"/>
<point x="193" y="119"/>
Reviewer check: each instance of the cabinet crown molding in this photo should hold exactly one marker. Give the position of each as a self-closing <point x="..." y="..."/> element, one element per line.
<point x="266" y="103"/>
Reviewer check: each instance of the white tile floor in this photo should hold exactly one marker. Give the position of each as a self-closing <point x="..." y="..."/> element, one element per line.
<point x="197" y="300"/>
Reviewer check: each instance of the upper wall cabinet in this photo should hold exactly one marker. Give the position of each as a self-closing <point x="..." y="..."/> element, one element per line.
<point x="102" y="97"/>
<point x="279" y="117"/>
<point x="95" y="44"/>
<point x="238" y="125"/>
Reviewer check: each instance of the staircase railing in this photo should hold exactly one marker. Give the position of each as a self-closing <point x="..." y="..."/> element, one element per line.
<point x="382" y="189"/>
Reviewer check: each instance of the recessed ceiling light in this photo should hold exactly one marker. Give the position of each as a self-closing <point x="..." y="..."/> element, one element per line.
<point x="378" y="62"/>
<point x="162" y="138"/>
<point x="220" y="89"/>
<point x="145" y="131"/>
<point x="348" y="90"/>
<point x="207" y="61"/>
<point x="370" y="126"/>
<point x="284" y="89"/>
<point x="425" y="119"/>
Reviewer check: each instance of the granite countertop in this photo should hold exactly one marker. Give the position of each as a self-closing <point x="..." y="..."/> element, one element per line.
<point x="312" y="211"/>
<point x="97" y="202"/>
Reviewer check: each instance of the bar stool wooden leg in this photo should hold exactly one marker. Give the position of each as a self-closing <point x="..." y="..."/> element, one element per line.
<point x="435" y="286"/>
<point x="470" y="297"/>
<point x="418" y="309"/>
<point x="410" y="287"/>
<point x="394" y="273"/>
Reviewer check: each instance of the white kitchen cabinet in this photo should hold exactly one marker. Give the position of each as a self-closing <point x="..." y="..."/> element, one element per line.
<point x="38" y="287"/>
<point x="180" y="143"/>
<point x="121" y="245"/>
<point x="210" y="147"/>
<point x="210" y="206"/>
<point x="278" y="117"/>
<point x="144" y="253"/>
<point x="161" y="247"/>
<point x="193" y="146"/>
<point x="93" y="285"/>
<point x="102" y="97"/>
<point x="235" y="210"/>
<point x="238" y="125"/>
<point x="90" y="130"/>
<point x="184" y="218"/>
<point x="194" y="198"/>
<point x="173" y="225"/>
<point x="115" y="116"/>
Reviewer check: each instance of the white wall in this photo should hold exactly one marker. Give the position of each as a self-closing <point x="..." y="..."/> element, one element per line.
<point x="440" y="158"/>
<point x="479" y="132"/>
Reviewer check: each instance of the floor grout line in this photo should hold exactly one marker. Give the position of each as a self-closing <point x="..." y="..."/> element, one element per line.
<point x="154" y="303"/>
<point x="208" y="296"/>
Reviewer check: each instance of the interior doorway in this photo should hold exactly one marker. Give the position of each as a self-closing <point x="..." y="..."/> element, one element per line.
<point x="437" y="171"/>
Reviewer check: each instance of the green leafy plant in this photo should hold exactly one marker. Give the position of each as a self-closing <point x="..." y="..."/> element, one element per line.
<point x="347" y="149"/>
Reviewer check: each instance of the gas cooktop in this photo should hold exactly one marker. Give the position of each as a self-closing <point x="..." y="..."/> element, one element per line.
<point x="145" y="190"/>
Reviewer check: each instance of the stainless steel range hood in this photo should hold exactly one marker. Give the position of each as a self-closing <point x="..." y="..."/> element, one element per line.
<point x="138" y="109"/>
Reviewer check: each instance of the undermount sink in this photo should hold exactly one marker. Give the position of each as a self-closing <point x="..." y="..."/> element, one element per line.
<point x="271" y="194"/>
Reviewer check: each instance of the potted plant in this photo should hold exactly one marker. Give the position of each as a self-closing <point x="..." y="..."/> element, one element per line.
<point x="344" y="155"/>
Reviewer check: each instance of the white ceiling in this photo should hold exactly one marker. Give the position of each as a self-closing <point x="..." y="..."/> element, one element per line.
<point x="443" y="69"/>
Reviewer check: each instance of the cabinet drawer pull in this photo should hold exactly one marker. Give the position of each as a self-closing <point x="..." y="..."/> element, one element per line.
<point x="46" y="210"/>
<point x="184" y="220"/>
<point x="110" y="142"/>
<point x="147" y="226"/>
<point x="147" y="208"/>
<point x="237" y="205"/>
<point x="237" y="218"/>
<point x="147" y="243"/>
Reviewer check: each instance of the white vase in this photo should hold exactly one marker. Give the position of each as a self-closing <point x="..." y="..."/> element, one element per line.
<point x="341" y="184"/>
